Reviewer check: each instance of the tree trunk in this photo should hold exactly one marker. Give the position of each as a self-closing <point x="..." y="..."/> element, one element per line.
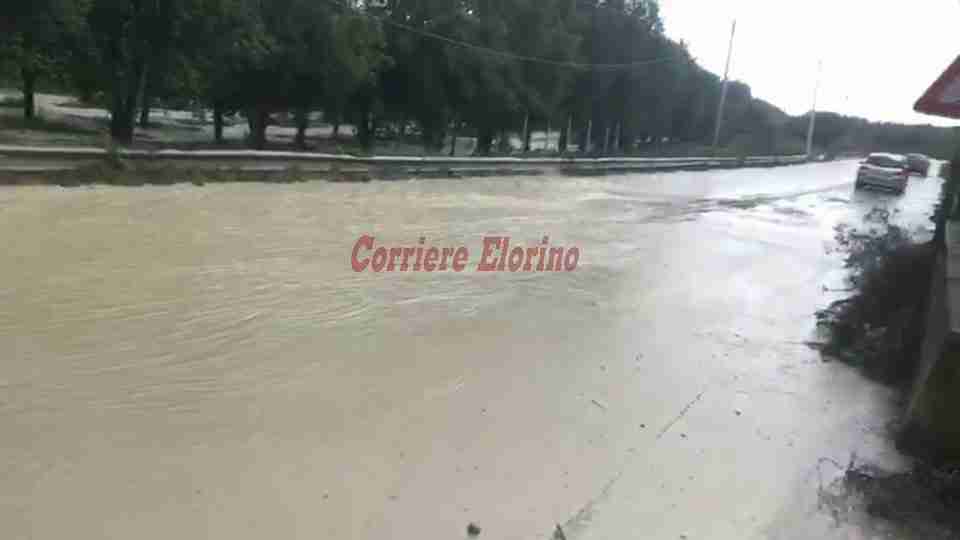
<point x="484" y="141"/>
<point x="121" y="123"/>
<point x="28" y="73"/>
<point x="124" y="106"/>
<point x="364" y="135"/>
<point x="374" y="127"/>
<point x="504" y="146"/>
<point x="453" y="140"/>
<point x="257" y="120"/>
<point x="144" y="98"/>
<point x="563" y="139"/>
<point x="29" y="92"/>
<point x="218" y="122"/>
<point x="121" y="119"/>
<point x="526" y="133"/>
<point x="145" y="112"/>
<point x="587" y="146"/>
<point x="336" y="127"/>
<point x="303" y="122"/>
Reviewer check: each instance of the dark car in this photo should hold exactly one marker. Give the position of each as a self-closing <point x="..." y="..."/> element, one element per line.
<point x="918" y="163"/>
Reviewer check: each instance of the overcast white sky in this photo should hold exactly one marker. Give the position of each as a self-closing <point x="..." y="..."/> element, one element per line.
<point x="878" y="55"/>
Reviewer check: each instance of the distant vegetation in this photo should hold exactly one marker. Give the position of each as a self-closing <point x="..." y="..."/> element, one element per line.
<point x="429" y="69"/>
<point x="839" y="134"/>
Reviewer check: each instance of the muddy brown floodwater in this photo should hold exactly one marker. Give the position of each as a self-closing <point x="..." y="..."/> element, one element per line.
<point x="202" y="362"/>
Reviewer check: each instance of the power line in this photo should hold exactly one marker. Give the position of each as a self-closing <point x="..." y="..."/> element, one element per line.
<point x="520" y="57"/>
<point x="509" y="55"/>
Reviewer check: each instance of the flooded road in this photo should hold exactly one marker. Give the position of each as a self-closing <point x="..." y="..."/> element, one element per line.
<point x="202" y="362"/>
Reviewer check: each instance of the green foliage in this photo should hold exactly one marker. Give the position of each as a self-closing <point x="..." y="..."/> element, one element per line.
<point x="36" y="38"/>
<point x="480" y="67"/>
<point x="837" y="134"/>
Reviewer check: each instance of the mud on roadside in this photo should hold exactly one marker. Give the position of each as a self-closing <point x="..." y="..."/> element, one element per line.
<point x="880" y="329"/>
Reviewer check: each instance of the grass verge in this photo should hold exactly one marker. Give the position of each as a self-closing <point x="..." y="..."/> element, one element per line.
<point x="41" y="124"/>
<point x="118" y="172"/>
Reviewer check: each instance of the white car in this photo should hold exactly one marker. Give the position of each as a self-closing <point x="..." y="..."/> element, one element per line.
<point x="888" y="171"/>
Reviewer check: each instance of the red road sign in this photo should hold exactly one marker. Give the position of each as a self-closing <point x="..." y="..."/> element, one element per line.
<point x="943" y="97"/>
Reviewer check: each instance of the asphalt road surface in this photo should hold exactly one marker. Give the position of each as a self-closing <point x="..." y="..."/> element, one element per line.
<point x="204" y="362"/>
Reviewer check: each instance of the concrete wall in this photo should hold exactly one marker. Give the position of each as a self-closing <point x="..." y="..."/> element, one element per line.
<point x="932" y="426"/>
<point x="16" y="159"/>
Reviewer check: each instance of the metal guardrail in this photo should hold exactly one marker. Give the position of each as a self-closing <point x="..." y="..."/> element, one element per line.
<point x="40" y="159"/>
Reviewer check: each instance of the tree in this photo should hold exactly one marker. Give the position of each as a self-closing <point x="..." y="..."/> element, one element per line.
<point x="226" y="71"/>
<point x="36" y="37"/>
<point x="356" y="62"/>
<point x="541" y="28"/>
<point x="422" y="81"/>
<point x="128" y="36"/>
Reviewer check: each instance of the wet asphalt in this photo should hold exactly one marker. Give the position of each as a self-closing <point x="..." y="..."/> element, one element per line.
<point x="188" y="362"/>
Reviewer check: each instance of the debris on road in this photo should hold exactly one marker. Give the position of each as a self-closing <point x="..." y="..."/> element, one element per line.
<point x="880" y="327"/>
<point x="473" y="530"/>
<point x="599" y="403"/>
<point x="683" y="412"/>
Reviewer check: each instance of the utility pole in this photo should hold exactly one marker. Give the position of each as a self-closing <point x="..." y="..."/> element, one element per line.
<point x="813" y="111"/>
<point x="526" y="134"/>
<point x="588" y="145"/>
<point x="723" y="89"/>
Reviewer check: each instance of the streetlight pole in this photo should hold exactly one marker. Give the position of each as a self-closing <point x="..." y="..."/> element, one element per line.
<point x="723" y="89"/>
<point x="813" y="111"/>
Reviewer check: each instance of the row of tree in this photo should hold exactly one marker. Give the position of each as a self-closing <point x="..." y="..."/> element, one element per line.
<point x="483" y="68"/>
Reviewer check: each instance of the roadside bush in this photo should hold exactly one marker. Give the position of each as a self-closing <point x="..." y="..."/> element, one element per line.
<point x="921" y="502"/>
<point x="880" y="327"/>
